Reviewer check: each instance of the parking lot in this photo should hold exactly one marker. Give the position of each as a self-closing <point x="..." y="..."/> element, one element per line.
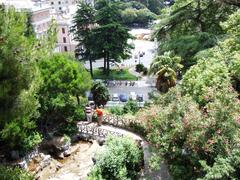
<point x="121" y="93"/>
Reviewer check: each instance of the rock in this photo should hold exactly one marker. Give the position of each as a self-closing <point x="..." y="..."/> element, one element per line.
<point x="23" y="164"/>
<point x="94" y="160"/>
<point x="45" y="161"/>
<point x="15" y="155"/>
<point x="100" y="141"/>
<point x="58" y="166"/>
<point x="60" y="155"/>
<point x="57" y="145"/>
<point x="67" y="153"/>
<point x="85" y="137"/>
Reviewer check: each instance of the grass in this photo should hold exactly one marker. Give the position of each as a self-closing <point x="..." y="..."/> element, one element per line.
<point x="115" y="74"/>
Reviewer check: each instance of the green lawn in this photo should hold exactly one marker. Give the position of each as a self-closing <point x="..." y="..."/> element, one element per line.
<point x="115" y="74"/>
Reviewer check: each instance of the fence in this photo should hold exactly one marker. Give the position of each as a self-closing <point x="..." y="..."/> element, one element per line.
<point x="114" y="120"/>
<point x="96" y="131"/>
<point x="117" y="121"/>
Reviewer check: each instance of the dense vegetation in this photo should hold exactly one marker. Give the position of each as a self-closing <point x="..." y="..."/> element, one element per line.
<point x="120" y="159"/>
<point x="101" y="33"/>
<point x="37" y="88"/>
<point x="196" y="129"/>
<point x="8" y="173"/>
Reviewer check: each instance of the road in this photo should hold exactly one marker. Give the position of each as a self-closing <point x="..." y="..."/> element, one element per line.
<point x="140" y="46"/>
<point x="145" y="85"/>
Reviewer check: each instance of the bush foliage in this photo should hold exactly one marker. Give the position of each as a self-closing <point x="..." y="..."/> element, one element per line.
<point x="8" y="173"/>
<point x="121" y="159"/>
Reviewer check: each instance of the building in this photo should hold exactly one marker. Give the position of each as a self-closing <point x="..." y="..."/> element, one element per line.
<point x="40" y="13"/>
<point x="61" y="6"/>
<point x="65" y="41"/>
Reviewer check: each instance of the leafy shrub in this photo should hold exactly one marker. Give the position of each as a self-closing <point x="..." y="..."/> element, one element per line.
<point x="121" y="159"/>
<point x="100" y="94"/>
<point x="117" y="111"/>
<point x="185" y="135"/>
<point x="139" y="68"/>
<point x="31" y="141"/>
<point x="139" y="128"/>
<point x="202" y="76"/>
<point x="130" y="107"/>
<point x="145" y="71"/>
<point x="69" y="129"/>
<point x="9" y="173"/>
<point x="79" y="113"/>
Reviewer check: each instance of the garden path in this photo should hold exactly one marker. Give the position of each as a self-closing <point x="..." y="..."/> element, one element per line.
<point x="161" y="174"/>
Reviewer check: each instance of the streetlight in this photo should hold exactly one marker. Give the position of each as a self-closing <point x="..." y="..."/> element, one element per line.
<point x="138" y="57"/>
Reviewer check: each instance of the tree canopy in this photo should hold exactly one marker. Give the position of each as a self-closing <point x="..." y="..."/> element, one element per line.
<point x="19" y="78"/>
<point x="190" y="26"/>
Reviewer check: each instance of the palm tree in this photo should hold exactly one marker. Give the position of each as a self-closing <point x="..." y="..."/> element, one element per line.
<point x="166" y="68"/>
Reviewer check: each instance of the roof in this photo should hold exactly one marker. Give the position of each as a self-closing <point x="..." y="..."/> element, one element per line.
<point x="26" y="4"/>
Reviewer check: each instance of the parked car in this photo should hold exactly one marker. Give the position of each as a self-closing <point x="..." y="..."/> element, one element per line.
<point x="133" y="96"/>
<point x="115" y="97"/>
<point x="123" y="98"/>
<point x="140" y="97"/>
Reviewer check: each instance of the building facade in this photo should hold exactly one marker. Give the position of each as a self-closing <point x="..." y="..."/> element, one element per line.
<point x="40" y="14"/>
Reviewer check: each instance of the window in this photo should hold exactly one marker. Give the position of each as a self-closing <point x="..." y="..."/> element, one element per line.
<point x="60" y="8"/>
<point x="52" y="3"/>
<point x="64" y="40"/>
<point x="63" y="30"/>
<point x="65" y="48"/>
<point x="59" y="2"/>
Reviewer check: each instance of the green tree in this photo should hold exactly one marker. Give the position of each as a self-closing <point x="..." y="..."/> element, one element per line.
<point x="190" y="26"/>
<point x="185" y="135"/>
<point x="100" y="94"/>
<point x="204" y="75"/>
<point x="166" y="68"/>
<point x="82" y="29"/>
<point x="65" y="81"/>
<point x="19" y="79"/>
<point x="111" y="37"/>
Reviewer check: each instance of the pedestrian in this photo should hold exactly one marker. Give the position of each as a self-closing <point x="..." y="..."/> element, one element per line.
<point x="99" y="112"/>
<point x="88" y="113"/>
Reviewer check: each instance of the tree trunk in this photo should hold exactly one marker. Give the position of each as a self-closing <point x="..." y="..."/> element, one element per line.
<point x="91" y="68"/>
<point x="78" y="100"/>
<point x="104" y="68"/>
<point x="108" y="64"/>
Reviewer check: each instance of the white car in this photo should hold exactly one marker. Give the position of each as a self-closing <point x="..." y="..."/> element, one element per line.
<point x="133" y="96"/>
<point x="115" y="97"/>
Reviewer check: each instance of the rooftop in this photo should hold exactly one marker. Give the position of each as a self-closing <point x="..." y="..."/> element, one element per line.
<point x="26" y="4"/>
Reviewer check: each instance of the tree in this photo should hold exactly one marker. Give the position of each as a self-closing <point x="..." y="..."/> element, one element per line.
<point x="84" y="21"/>
<point x="186" y="136"/>
<point x="100" y="94"/>
<point x="19" y="79"/>
<point x="190" y="26"/>
<point x="64" y="79"/>
<point x="204" y="75"/>
<point x="166" y="68"/>
<point x="111" y="37"/>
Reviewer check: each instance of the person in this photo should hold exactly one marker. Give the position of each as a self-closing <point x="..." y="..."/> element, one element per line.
<point x="88" y="113"/>
<point x="99" y="112"/>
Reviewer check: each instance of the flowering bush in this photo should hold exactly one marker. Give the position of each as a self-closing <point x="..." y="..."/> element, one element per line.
<point x="185" y="135"/>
